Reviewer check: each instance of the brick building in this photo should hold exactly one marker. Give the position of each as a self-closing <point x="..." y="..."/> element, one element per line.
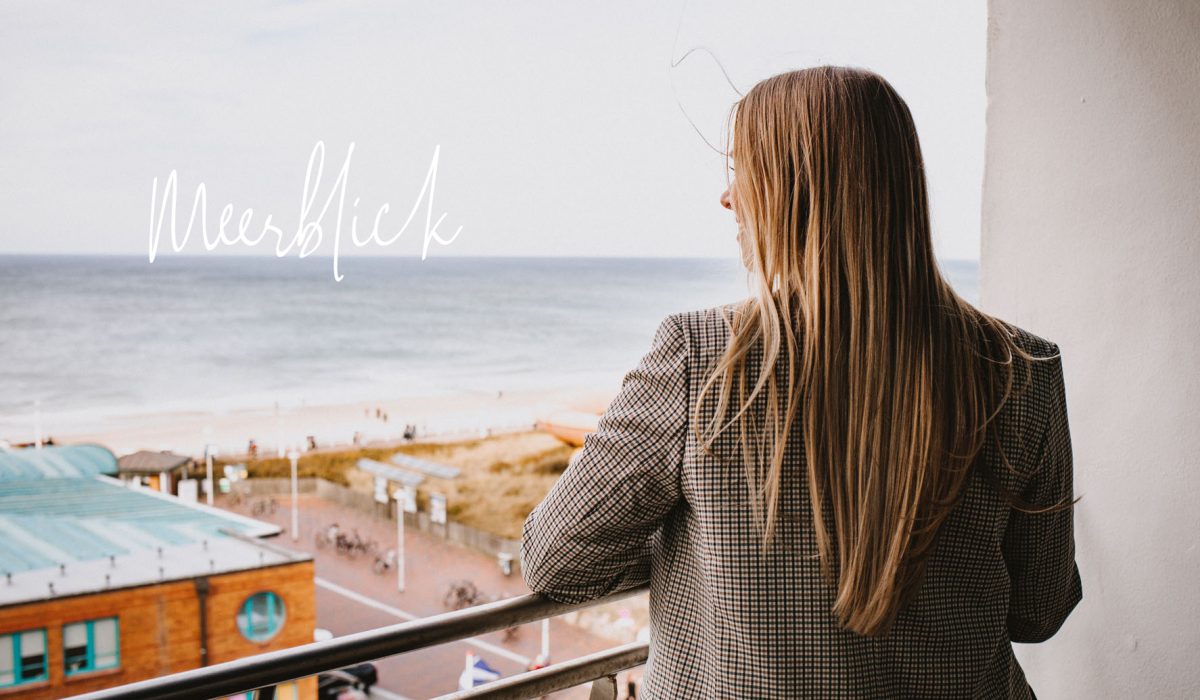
<point x="102" y="584"/>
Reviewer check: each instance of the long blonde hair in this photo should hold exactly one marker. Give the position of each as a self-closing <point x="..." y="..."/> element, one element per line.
<point x="894" y="377"/>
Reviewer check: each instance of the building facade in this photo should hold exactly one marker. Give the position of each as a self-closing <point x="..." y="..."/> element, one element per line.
<point x="105" y="585"/>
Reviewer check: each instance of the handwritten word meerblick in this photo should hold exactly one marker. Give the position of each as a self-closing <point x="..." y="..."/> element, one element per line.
<point x="310" y="231"/>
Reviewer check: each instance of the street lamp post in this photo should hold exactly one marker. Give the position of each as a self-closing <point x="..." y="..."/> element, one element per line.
<point x="208" y="450"/>
<point x="401" y="503"/>
<point x="294" y="456"/>
<point x="208" y="480"/>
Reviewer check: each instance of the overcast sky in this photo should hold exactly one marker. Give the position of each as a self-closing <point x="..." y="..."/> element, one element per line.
<point x="561" y="127"/>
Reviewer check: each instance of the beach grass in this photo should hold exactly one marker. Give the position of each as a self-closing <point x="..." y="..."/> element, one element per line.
<point x="502" y="476"/>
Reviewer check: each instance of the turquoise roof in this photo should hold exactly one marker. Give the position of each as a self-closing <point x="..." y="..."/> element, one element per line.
<point x="57" y="462"/>
<point x="58" y="507"/>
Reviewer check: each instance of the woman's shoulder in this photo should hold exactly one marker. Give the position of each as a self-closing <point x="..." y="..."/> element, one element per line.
<point x="1037" y="387"/>
<point x="1043" y="368"/>
<point x="705" y="331"/>
<point x="1036" y="345"/>
<point x="716" y="319"/>
<point x="710" y="325"/>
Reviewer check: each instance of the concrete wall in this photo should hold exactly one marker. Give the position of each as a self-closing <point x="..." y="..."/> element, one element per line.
<point x="1091" y="224"/>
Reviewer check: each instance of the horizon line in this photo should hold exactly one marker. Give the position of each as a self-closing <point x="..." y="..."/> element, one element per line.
<point x="391" y="257"/>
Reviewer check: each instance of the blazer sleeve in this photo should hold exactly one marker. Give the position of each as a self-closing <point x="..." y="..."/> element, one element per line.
<point x="1039" y="548"/>
<point x="591" y="534"/>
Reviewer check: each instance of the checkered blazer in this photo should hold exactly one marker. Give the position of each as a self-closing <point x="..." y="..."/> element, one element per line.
<point x="642" y="503"/>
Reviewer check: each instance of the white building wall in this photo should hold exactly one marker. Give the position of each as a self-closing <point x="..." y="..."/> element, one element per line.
<point x="1091" y="238"/>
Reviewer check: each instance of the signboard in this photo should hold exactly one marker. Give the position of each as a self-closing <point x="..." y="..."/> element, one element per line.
<point x="437" y="508"/>
<point x="408" y="497"/>
<point x="440" y="471"/>
<point x="189" y="490"/>
<point x="400" y="476"/>
<point x="381" y="490"/>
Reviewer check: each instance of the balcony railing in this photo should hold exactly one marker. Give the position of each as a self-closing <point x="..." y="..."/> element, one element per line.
<point x="264" y="671"/>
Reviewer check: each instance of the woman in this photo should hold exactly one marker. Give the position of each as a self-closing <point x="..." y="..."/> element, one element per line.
<point x="852" y="484"/>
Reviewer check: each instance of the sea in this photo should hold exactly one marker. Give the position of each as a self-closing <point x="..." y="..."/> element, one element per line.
<point x="97" y="335"/>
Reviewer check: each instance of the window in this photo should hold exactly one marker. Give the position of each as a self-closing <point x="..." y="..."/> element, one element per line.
<point x="91" y="646"/>
<point x="22" y="658"/>
<point x="261" y="616"/>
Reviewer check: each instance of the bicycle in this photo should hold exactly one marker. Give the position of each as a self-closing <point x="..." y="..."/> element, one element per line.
<point x="265" y="506"/>
<point x="352" y="545"/>
<point x="327" y="536"/>
<point x="369" y="548"/>
<point x="384" y="563"/>
<point x="461" y="594"/>
<point x="345" y="545"/>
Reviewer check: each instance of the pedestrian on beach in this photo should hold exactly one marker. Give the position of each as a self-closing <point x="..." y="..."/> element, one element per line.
<point x="852" y="483"/>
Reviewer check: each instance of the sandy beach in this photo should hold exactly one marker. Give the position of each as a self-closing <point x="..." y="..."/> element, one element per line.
<point x="229" y="431"/>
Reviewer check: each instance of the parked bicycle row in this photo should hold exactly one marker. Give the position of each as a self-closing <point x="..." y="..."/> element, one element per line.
<point x="353" y="545"/>
<point x="257" y="506"/>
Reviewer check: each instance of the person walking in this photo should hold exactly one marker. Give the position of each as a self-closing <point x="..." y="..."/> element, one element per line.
<point x="852" y="483"/>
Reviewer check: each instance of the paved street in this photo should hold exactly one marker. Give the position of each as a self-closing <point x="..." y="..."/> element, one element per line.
<point x="351" y="598"/>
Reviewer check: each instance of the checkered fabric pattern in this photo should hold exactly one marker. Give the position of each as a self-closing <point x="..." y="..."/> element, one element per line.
<point x="642" y="503"/>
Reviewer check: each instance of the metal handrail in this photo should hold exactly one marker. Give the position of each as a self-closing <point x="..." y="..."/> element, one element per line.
<point x="567" y="674"/>
<point x="274" y="667"/>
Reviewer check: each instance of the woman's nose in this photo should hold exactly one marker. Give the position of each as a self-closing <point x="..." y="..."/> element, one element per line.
<point x="725" y="200"/>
